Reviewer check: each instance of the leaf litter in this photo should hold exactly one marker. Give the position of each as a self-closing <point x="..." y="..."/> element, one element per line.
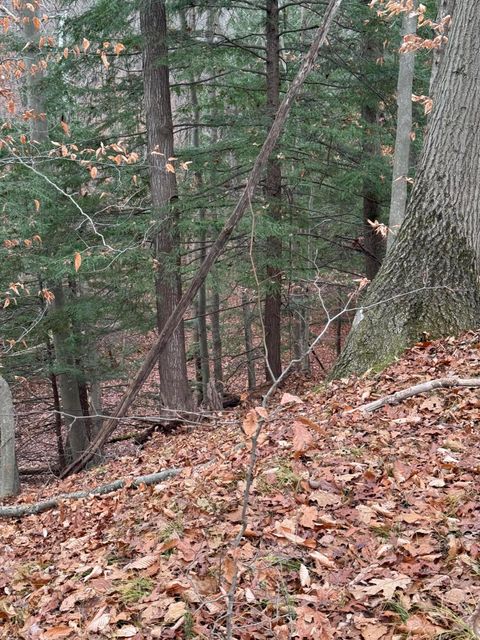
<point x="359" y="526"/>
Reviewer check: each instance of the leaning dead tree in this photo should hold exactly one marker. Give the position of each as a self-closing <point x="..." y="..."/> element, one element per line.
<point x="218" y="246"/>
<point x="9" y="479"/>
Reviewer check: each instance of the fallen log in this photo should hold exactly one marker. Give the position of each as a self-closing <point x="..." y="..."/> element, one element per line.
<point x="22" y="510"/>
<point x="424" y="387"/>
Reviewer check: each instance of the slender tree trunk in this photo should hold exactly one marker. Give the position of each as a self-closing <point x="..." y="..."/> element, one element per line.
<point x="273" y="193"/>
<point x="430" y="281"/>
<point x="373" y="242"/>
<point x="216" y="341"/>
<point x="401" y="159"/>
<point x="174" y="389"/>
<point x="247" y="330"/>
<point x="9" y="478"/>
<point x="77" y="440"/>
<point x="62" y="459"/>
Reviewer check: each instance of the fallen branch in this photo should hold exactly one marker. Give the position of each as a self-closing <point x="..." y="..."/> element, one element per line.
<point x="424" y="387"/>
<point x="19" y="511"/>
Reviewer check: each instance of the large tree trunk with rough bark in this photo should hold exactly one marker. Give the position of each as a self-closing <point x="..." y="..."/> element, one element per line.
<point x="273" y="192"/>
<point x="430" y="281"/>
<point x="174" y="389"/>
<point x="9" y="479"/>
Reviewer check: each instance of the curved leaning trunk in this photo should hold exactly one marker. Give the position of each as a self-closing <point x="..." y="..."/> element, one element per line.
<point x="430" y="279"/>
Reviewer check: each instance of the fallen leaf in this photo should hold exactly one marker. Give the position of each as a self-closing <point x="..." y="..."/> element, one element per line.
<point x="175" y="611"/>
<point x="287" y="398"/>
<point x="374" y="631"/>
<point x="302" y="438"/>
<point x="57" y="632"/>
<point x="305" y="579"/>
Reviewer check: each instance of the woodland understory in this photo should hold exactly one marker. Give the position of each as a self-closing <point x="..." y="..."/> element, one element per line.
<point x="239" y="320"/>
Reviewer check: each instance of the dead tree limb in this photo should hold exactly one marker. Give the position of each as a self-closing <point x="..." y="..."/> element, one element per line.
<point x="22" y="510"/>
<point x="399" y="396"/>
<point x="217" y="247"/>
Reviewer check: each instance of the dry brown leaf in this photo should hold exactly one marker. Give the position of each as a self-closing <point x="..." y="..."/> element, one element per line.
<point x="57" y="632"/>
<point x="141" y="563"/>
<point x="99" y="622"/>
<point x="302" y="438"/>
<point x="250" y="423"/>
<point x="175" y="611"/>
<point x="128" y="631"/>
<point x="287" y="398"/>
<point x="374" y="631"/>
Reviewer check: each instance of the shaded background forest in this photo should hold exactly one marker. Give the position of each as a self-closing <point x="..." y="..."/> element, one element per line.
<point x="80" y="234"/>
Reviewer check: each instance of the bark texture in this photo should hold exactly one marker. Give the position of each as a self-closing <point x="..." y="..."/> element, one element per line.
<point x="430" y="279"/>
<point x="9" y="479"/>
<point x="174" y="389"/>
<point x="273" y="194"/>
<point x="401" y="159"/>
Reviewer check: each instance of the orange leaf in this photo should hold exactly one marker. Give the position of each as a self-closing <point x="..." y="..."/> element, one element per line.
<point x="37" y="205"/>
<point x="65" y="127"/>
<point x="85" y="45"/>
<point x="170" y="168"/>
<point x="250" y="423"/>
<point x="93" y="172"/>
<point x="77" y="261"/>
<point x="57" y="632"/>
<point x="302" y="439"/>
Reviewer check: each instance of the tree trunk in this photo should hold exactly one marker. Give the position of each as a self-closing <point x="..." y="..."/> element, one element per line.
<point x="218" y="246"/>
<point x="77" y="440"/>
<point x="373" y="243"/>
<point x="247" y="331"/>
<point x="9" y="478"/>
<point x="216" y="341"/>
<point x="445" y="8"/>
<point x="273" y="193"/>
<point x="429" y="282"/>
<point x="174" y="389"/>
<point x="401" y="159"/>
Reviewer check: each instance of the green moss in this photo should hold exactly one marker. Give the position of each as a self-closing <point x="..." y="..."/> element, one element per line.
<point x="134" y="590"/>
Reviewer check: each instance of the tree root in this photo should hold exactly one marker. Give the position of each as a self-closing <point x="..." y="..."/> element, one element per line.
<point x="399" y="396"/>
<point x="22" y="510"/>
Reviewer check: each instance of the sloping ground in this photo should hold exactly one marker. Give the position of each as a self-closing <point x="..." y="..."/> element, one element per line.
<point x="358" y="526"/>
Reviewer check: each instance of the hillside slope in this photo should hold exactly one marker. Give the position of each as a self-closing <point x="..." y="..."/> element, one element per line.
<point x="358" y="526"/>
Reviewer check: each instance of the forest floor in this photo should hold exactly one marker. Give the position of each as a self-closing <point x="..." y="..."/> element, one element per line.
<point x="358" y="526"/>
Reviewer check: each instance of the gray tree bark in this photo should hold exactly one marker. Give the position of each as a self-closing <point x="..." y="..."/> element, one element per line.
<point x="401" y="159"/>
<point x="248" y="335"/>
<point x="373" y="242"/>
<point x="445" y="8"/>
<point x="9" y="478"/>
<point x="174" y="388"/>
<point x="273" y="193"/>
<point x="77" y="440"/>
<point x="430" y="281"/>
